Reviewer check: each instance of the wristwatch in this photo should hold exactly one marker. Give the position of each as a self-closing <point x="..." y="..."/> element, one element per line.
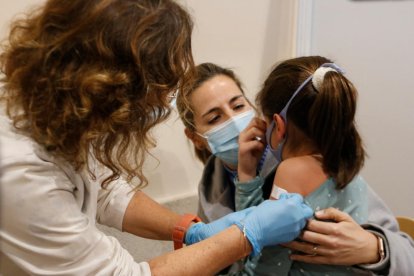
<point x="381" y="251"/>
<point x="180" y="229"/>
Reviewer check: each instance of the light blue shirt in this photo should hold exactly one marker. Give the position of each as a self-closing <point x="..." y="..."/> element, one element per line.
<point x="275" y="260"/>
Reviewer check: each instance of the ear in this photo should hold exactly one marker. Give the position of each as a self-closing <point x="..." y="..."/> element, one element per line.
<point x="198" y="142"/>
<point x="280" y="126"/>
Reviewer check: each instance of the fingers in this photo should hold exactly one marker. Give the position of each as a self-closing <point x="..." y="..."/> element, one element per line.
<point x="311" y="259"/>
<point x="259" y="123"/>
<point x="255" y="131"/>
<point x="310" y="253"/>
<point x="307" y="211"/>
<point x="307" y="248"/>
<point x="333" y="214"/>
<point x="251" y="146"/>
<point x="315" y="238"/>
<point x="297" y="198"/>
<point x="254" y="146"/>
<point x="323" y="227"/>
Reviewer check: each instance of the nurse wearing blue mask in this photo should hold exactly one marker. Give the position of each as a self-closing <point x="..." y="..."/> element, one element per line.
<point x="215" y="111"/>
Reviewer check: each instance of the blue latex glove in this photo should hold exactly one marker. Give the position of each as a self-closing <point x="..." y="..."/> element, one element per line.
<point x="201" y="231"/>
<point x="275" y="221"/>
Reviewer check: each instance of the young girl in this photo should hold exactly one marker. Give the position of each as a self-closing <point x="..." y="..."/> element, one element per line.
<point x="309" y="107"/>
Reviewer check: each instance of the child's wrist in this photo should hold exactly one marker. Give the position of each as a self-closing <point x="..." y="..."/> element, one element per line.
<point x="246" y="176"/>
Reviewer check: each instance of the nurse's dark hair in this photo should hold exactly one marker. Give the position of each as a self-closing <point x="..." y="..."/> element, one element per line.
<point x="92" y="77"/>
<point x="326" y="116"/>
<point x="203" y="73"/>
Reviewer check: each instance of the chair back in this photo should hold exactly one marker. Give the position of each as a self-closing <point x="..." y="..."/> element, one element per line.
<point x="406" y="225"/>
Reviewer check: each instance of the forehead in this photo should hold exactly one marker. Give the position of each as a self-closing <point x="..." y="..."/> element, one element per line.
<point x="213" y="93"/>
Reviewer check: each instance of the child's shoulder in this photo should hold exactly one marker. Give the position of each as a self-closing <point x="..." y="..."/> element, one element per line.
<point x="301" y="175"/>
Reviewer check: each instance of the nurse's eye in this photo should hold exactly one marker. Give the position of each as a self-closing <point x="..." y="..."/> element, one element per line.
<point x="213" y="120"/>
<point x="239" y="107"/>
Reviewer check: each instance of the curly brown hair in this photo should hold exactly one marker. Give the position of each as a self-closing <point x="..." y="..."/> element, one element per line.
<point x="93" y="77"/>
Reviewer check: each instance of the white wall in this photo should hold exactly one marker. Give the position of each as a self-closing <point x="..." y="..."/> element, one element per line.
<point x="10" y="9"/>
<point x="373" y="41"/>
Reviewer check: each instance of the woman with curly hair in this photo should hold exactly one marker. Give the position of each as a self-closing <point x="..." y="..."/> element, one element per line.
<point x="83" y="83"/>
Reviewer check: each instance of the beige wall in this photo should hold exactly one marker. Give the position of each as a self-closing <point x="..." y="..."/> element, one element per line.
<point x="10" y="9"/>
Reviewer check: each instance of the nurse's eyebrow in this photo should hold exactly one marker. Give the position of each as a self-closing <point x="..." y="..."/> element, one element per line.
<point x="235" y="98"/>
<point x="214" y="109"/>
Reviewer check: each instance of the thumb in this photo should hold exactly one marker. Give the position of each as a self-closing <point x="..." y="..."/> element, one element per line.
<point x="307" y="211"/>
<point x="248" y="210"/>
<point x="332" y="214"/>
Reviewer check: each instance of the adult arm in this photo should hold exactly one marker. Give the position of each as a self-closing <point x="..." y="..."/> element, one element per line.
<point x="148" y="219"/>
<point x="267" y="224"/>
<point x="251" y="147"/>
<point x="125" y="208"/>
<point x="400" y="246"/>
<point x="206" y="257"/>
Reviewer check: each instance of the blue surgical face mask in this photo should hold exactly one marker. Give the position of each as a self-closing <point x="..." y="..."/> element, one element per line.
<point x="223" y="139"/>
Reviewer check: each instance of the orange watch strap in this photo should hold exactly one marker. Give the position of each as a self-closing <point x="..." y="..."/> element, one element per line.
<point x="180" y="229"/>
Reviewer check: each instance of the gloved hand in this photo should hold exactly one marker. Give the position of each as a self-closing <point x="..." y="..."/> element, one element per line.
<point x="275" y="221"/>
<point x="201" y="231"/>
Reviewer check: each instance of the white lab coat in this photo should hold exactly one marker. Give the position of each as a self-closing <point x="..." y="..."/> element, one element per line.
<point x="48" y="214"/>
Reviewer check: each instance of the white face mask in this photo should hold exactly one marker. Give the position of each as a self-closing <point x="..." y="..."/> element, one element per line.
<point x="223" y="139"/>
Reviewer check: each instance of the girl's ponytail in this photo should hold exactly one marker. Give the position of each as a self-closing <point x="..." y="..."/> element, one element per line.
<point x="332" y="127"/>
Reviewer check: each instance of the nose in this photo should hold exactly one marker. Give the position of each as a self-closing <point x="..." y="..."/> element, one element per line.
<point x="229" y="112"/>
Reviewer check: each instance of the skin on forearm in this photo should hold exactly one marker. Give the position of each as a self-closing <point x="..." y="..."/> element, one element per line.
<point x="148" y="219"/>
<point x="245" y="177"/>
<point x="206" y="257"/>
